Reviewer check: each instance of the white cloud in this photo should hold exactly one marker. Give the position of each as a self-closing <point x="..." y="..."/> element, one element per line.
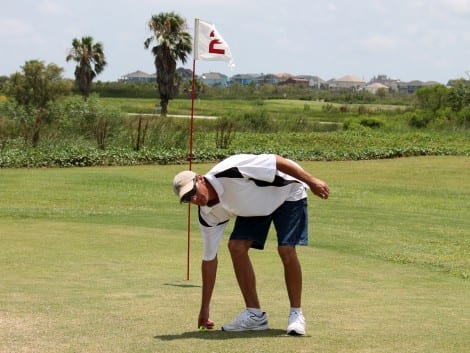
<point x="50" y="7"/>
<point x="12" y="28"/>
<point x="460" y="7"/>
<point x="380" y="42"/>
<point x="465" y="36"/>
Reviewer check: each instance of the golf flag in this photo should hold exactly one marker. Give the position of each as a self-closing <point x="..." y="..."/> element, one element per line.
<point x="209" y="44"/>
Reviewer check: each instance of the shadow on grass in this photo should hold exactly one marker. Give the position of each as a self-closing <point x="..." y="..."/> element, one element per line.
<point x="223" y="335"/>
<point x="182" y="285"/>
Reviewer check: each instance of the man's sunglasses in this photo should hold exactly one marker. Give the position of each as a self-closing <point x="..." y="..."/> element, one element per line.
<point x="187" y="197"/>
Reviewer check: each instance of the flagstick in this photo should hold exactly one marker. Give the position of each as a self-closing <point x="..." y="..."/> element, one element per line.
<point x="190" y="166"/>
<point x="214" y="46"/>
<point x="189" y="238"/>
<point x="192" y="119"/>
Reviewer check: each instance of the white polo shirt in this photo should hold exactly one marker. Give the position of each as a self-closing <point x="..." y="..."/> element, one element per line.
<point x="247" y="185"/>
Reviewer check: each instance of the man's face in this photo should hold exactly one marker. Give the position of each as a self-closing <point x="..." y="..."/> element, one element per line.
<point x="199" y="195"/>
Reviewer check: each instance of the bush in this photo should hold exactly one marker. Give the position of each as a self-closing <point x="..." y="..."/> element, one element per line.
<point x="256" y="121"/>
<point x="463" y="118"/>
<point x="361" y="123"/>
<point x="91" y="119"/>
<point x="419" y="119"/>
<point x="329" y="108"/>
<point x="225" y="130"/>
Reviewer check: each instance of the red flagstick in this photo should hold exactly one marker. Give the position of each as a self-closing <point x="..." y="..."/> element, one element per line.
<point x="217" y="49"/>
<point x="190" y="166"/>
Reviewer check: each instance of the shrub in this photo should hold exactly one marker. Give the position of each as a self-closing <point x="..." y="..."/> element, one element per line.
<point x="463" y="118"/>
<point x="225" y="130"/>
<point x="329" y="108"/>
<point x="90" y="118"/>
<point x="361" y="123"/>
<point x="444" y="117"/>
<point x="256" y="121"/>
<point x="362" y="110"/>
<point x="165" y="132"/>
<point x="419" y="119"/>
<point x="373" y="123"/>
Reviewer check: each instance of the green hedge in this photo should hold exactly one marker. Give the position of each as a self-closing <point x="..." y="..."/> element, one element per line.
<point x="328" y="146"/>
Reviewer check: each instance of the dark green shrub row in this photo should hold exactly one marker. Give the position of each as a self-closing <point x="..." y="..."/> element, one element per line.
<point x="87" y="156"/>
<point x="330" y="146"/>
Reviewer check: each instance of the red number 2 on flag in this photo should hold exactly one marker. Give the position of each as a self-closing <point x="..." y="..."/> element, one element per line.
<point x="213" y="43"/>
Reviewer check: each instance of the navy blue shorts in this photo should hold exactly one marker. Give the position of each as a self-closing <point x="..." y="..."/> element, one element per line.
<point x="290" y="221"/>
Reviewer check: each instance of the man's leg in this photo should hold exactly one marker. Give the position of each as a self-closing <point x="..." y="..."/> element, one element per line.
<point x="291" y="223"/>
<point x="244" y="271"/>
<point x="292" y="274"/>
<point x="293" y="277"/>
<point x="248" y="232"/>
<point x="253" y="318"/>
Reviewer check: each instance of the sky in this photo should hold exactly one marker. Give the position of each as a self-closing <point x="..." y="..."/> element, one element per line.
<point x="426" y="40"/>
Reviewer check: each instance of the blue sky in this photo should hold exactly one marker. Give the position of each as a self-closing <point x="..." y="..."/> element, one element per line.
<point x="404" y="39"/>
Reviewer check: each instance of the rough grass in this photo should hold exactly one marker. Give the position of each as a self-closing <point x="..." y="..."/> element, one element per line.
<point x="94" y="260"/>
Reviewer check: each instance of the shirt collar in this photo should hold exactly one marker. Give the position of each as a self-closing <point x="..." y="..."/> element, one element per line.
<point x="219" y="189"/>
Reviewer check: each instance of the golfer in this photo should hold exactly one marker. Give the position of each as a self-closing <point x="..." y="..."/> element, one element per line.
<point x="258" y="190"/>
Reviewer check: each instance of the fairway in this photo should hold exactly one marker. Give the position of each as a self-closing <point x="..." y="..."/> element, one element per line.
<point x="94" y="260"/>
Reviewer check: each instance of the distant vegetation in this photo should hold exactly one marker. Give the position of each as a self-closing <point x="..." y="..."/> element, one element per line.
<point x="46" y="120"/>
<point x="301" y="123"/>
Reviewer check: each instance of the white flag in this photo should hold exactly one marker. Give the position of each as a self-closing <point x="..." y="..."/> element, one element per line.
<point x="209" y="44"/>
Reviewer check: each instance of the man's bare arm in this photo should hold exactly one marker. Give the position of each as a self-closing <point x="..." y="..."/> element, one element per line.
<point x="317" y="186"/>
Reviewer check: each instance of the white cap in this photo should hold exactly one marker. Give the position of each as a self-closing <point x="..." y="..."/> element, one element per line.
<point x="183" y="183"/>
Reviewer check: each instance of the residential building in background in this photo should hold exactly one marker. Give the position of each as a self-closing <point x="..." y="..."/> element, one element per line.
<point x="375" y="87"/>
<point x="245" y="79"/>
<point x="413" y="86"/>
<point x="138" y="76"/>
<point x="214" y="79"/>
<point x="348" y="82"/>
<point x="344" y="83"/>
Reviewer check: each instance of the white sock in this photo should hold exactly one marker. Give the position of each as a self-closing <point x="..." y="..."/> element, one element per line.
<point x="299" y="310"/>
<point x="256" y="311"/>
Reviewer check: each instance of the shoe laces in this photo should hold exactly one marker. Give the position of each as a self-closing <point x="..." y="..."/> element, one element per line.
<point x="247" y="316"/>
<point x="296" y="315"/>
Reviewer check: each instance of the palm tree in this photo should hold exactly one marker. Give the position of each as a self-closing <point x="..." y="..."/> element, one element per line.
<point x="173" y="43"/>
<point x="90" y="62"/>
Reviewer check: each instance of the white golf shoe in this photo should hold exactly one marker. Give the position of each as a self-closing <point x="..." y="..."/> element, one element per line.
<point x="296" y="324"/>
<point x="247" y="321"/>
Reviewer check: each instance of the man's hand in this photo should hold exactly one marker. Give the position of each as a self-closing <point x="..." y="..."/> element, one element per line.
<point x="209" y="270"/>
<point x="319" y="188"/>
<point x="205" y="322"/>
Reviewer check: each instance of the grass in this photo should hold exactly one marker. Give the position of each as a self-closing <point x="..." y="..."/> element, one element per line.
<point x="278" y="109"/>
<point x="94" y="260"/>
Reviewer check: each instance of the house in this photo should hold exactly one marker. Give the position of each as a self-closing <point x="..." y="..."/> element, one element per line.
<point x="391" y="83"/>
<point x="214" y="79"/>
<point x="347" y="83"/>
<point x="314" y="81"/>
<point x="375" y="87"/>
<point x="284" y="76"/>
<point x="295" y="81"/>
<point x="138" y="76"/>
<point x="245" y="79"/>
<point x="268" y="79"/>
<point x="413" y="86"/>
